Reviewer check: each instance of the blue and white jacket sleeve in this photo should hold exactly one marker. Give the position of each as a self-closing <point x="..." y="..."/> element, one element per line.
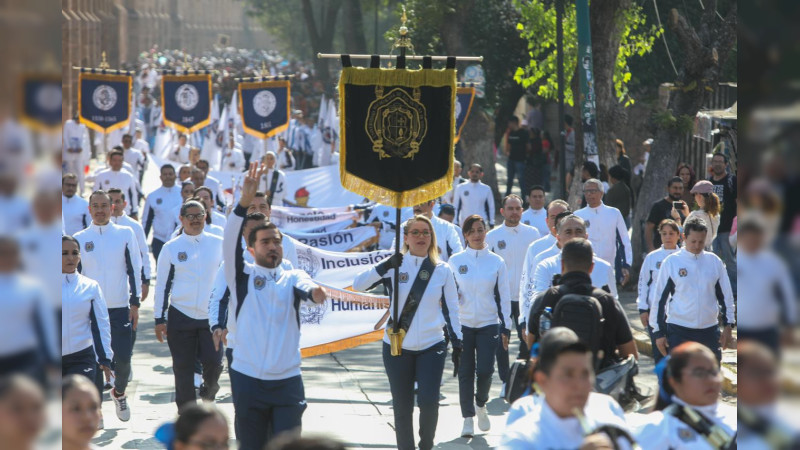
<point x="218" y="304"/>
<point x="504" y="298"/>
<point x="101" y="328"/>
<point x="164" y="274"/>
<point x="645" y="282"/>
<point x="135" y="266"/>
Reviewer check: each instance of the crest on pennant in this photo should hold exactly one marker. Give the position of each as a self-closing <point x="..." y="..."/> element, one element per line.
<point x="187" y="97"/>
<point x="264" y="103"/>
<point x="104" y="97"/>
<point x="396" y="123"/>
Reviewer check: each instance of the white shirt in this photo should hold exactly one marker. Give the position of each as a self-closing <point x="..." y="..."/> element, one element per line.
<point x="537" y="218"/>
<point x="84" y="318"/>
<point x="136" y="159"/>
<point x="699" y="287"/>
<point x="141" y="240"/>
<point x="218" y="219"/>
<point x="187" y="266"/>
<point x="142" y="146"/>
<point x="75" y="211"/>
<point x="75" y="136"/>
<point x="280" y="187"/>
<point x="110" y="256"/>
<point x="483" y="288"/>
<point x="266" y="304"/>
<point x="605" y="227"/>
<point x="159" y="212"/>
<point x="15" y="213"/>
<point x="122" y="180"/>
<point x="512" y="243"/>
<point x="36" y="244"/>
<point x="529" y="270"/>
<point x="179" y="154"/>
<point x="767" y="298"/>
<point x="664" y="431"/>
<point x="602" y="276"/>
<point x="233" y="160"/>
<point x="648" y="276"/>
<point x="474" y="198"/>
<point x="26" y="320"/>
<point x="426" y="328"/>
<point x="543" y="429"/>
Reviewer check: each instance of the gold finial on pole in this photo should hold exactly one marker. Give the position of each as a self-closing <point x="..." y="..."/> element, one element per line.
<point x="186" y="65"/>
<point x="403" y="40"/>
<point x="263" y="71"/>
<point x="104" y="64"/>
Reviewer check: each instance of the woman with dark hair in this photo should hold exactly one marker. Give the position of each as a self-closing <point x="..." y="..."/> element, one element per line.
<point x="623" y="159"/>
<point x="688" y="413"/>
<point x="419" y="355"/>
<point x="485" y="312"/>
<point x="199" y="427"/>
<point x="708" y="209"/>
<point x="85" y="327"/>
<point x="689" y="178"/>
<point x="81" y="414"/>
<point x="23" y="412"/>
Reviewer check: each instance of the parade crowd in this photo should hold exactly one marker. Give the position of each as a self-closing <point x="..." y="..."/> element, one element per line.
<point x="533" y="293"/>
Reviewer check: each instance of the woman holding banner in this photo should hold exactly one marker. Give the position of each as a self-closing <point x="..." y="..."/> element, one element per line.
<point x="423" y="281"/>
<point x="485" y="299"/>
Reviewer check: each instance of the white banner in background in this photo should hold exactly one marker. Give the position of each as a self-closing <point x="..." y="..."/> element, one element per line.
<point x="346" y="319"/>
<point x="338" y="241"/>
<point x="336" y="269"/>
<point x="318" y="187"/>
<point x="338" y="226"/>
<point x="299" y="222"/>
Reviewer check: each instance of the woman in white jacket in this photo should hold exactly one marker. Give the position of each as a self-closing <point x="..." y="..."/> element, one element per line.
<point x="85" y="328"/>
<point x="708" y="209"/>
<point x="422" y="355"/>
<point x="485" y="306"/>
<point x="688" y="407"/>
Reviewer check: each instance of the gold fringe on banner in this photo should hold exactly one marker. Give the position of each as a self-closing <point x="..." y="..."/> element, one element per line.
<point x="104" y="77"/>
<point x="177" y="126"/>
<point x="405" y="78"/>
<point x="465" y="90"/>
<point x="266" y="84"/>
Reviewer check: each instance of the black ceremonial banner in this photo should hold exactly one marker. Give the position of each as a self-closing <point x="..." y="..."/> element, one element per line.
<point x="40" y="101"/>
<point x="186" y="101"/>
<point x="464" y="98"/>
<point x="397" y="130"/>
<point x="104" y="101"/>
<point x="264" y="107"/>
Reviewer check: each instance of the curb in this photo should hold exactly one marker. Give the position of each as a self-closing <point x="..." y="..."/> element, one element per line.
<point x="728" y="374"/>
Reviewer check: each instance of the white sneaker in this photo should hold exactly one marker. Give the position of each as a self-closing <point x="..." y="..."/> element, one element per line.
<point x="198" y="380"/>
<point x="503" y="391"/>
<point x="469" y="430"/>
<point x="121" y="404"/>
<point x="483" y="418"/>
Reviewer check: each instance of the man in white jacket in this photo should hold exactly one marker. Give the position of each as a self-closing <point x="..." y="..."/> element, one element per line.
<point x="268" y="393"/>
<point x="474" y="197"/>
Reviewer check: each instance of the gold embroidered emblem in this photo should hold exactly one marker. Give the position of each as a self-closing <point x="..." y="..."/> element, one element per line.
<point x="396" y="123"/>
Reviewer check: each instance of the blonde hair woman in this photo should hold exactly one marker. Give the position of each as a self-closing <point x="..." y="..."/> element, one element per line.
<point x="423" y="281"/>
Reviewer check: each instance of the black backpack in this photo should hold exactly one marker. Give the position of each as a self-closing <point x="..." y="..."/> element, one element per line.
<point x="582" y="314"/>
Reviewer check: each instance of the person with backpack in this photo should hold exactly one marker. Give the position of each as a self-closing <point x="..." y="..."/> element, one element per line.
<point x="594" y="314"/>
<point x="485" y="315"/>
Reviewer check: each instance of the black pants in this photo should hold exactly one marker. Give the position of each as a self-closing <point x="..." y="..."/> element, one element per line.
<point x="480" y="345"/>
<point x="426" y="368"/>
<point x="83" y="362"/>
<point x="157" y="246"/>
<point x="185" y="336"/>
<point x="677" y="335"/>
<point x="28" y="362"/>
<point x="122" y="345"/>
<point x="265" y="408"/>
<point x="502" y="354"/>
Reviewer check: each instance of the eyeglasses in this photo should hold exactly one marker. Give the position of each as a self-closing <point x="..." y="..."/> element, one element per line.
<point x="418" y="233"/>
<point x="702" y="374"/>
<point x="209" y="445"/>
<point x="195" y="216"/>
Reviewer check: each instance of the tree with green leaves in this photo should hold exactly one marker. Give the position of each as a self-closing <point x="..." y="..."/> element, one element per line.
<point x="619" y="33"/>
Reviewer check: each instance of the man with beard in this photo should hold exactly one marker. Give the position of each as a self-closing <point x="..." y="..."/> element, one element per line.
<point x="268" y="393"/>
<point x="661" y="210"/>
<point x="110" y="256"/>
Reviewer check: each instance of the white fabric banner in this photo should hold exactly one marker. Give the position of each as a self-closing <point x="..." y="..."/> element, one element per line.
<point x="337" y="241"/>
<point x="309" y="211"/>
<point x="344" y="315"/>
<point x="319" y="187"/>
<point x="337" y="226"/>
<point x="336" y="269"/>
<point x="299" y="222"/>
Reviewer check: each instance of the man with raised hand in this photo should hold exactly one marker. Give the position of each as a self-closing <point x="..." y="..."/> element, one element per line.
<point x="268" y="392"/>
